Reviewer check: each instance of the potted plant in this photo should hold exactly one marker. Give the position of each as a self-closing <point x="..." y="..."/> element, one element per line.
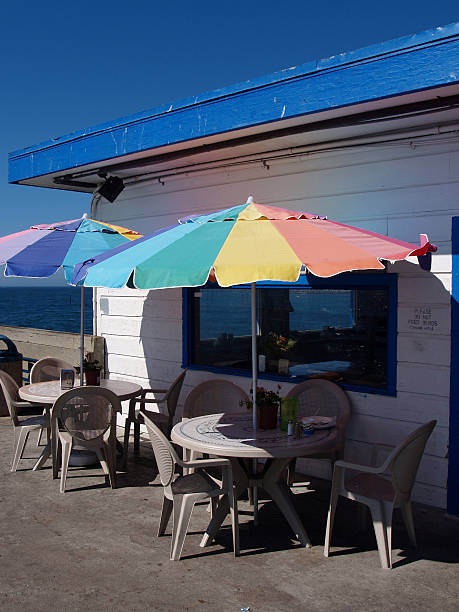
<point x="277" y="347"/>
<point x="267" y="407"/>
<point x="91" y="369"/>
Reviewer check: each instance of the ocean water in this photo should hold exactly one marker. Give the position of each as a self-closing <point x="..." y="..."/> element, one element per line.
<point x="304" y="311"/>
<point x="55" y="308"/>
<point x="58" y="308"/>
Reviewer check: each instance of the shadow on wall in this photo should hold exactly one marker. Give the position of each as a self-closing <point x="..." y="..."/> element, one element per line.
<point x="423" y="367"/>
<point x="161" y="345"/>
<point x="161" y="340"/>
<point x="423" y="353"/>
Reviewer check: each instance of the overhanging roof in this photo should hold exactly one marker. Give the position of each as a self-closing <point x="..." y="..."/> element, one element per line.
<point x="422" y="67"/>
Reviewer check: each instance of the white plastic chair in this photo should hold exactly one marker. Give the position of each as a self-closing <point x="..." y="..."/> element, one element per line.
<point x="22" y="427"/>
<point x="181" y="493"/>
<point x="319" y="397"/>
<point x="48" y="368"/>
<point x="214" y="396"/>
<point x="86" y="415"/>
<point x="382" y="494"/>
<point x="45" y="369"/>
<point x="163" y="420"/>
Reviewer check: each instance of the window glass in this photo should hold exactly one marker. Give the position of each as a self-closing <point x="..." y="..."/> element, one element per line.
<point x="222" y="328"/>
<point x="340" y="334"/>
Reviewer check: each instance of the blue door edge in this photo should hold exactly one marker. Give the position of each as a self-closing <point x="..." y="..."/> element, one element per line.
<point x="453" y="453"/>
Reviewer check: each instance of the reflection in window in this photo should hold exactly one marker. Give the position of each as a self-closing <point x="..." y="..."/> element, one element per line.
<point x="340" y="334"/>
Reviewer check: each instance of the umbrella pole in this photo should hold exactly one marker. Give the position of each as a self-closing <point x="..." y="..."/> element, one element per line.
<point x="254" y="354"/>
<point x="81" y="334"/>
<point x="254" y="393"/>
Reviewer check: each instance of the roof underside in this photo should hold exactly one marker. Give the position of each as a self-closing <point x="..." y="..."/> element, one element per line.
<point x="409" y="82"/>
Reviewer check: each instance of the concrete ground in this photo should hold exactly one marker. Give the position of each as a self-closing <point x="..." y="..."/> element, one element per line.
<point x="94" y="548"/>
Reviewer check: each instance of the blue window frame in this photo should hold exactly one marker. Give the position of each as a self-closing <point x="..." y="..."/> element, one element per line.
<point x="343" y="328"/>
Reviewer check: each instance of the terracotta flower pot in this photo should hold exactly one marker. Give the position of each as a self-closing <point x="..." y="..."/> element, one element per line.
<point x="92" y="377"/>
<point x="267" y="416"/>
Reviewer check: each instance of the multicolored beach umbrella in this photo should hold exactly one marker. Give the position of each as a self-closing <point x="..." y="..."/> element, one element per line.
<point x="244" y="244"/>
<point x="41" y="250"/>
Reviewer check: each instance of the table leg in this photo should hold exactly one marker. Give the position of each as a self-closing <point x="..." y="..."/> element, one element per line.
<point x="273" y="483"/>
<point x="255" y="495"/>
<point x="275" y="486"/>
<point x="240" y="486"/>
<point x="45" y="453"/>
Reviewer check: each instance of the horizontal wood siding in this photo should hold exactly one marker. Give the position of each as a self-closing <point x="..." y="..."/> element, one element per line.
<point x="400" y="191"/>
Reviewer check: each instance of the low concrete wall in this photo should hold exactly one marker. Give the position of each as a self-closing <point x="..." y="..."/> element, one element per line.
<point x="39" y="343"/>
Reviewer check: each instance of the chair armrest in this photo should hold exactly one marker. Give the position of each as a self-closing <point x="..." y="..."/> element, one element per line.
<point x="145" y="400"/>
<point x="144" y="391"/>
<point x="368" y="469"/>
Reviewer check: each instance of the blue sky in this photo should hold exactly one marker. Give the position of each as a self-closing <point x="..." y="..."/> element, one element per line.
<point x="71" y="65"/>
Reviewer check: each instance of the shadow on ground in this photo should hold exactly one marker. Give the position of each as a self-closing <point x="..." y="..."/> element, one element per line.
<point x="94" y="547"/>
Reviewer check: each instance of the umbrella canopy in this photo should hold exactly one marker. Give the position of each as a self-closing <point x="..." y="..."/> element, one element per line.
<point x="41" y="250"/>
<point x="244" y="244"/>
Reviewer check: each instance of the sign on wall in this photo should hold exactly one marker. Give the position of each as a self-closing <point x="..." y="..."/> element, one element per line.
<point x="424" y="318"/>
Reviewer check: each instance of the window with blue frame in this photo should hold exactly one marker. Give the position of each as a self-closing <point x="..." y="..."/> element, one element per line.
<point x="343" y="329"/>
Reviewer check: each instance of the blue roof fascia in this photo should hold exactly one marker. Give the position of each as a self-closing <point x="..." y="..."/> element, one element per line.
<point x="414" y="63"/>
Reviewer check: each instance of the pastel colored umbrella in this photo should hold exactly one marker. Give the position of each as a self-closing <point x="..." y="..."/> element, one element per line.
<point x="38" y="252"/>
<point x="244" y="244"/>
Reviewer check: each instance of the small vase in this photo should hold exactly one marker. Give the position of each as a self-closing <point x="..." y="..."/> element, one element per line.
<point x="267" y="416"/>
<point x="282" y="366"/>
<point x="288" y="410"/>
<point x="92" y="377"/>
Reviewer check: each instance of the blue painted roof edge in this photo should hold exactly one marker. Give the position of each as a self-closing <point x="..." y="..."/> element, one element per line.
<point x="431" y="38"/>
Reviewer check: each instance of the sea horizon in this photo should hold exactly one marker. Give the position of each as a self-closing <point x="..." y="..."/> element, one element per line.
<point x="51" y="307"/>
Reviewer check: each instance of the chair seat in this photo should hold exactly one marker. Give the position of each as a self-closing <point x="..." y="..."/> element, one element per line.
<point x="198" y="482"/>
<point x="87" y="436"/>
<point x="370" y="485"/>
<point x="28" y="409"/>
<point x="35" y="421"/>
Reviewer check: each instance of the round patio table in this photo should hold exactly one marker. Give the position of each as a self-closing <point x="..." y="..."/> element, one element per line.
<point x="48" y="392"/>
<point x="232" y="436"/>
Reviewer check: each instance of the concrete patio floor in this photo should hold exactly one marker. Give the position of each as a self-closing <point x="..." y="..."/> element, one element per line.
<point x="95" y="548"/>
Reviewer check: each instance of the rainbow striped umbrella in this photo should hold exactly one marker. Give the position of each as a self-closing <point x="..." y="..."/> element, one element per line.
<point x="244" y="244"/>
<point x="41" y="250"/>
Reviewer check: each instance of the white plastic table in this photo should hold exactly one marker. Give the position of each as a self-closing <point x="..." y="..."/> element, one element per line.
<point x="232" y="436"/>
<point x="48" y="392"/>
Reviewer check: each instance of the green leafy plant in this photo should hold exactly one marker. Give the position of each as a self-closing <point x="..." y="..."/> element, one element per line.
<point x="264" y="398"/>
<point x="89" y="363"/>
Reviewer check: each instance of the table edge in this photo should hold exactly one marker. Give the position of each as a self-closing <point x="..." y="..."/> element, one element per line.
<point x="250" y="452"/>
<point x="35" y="399"/>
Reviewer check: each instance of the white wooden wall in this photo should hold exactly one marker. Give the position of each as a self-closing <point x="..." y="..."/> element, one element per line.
<point x="395" y="190"/>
